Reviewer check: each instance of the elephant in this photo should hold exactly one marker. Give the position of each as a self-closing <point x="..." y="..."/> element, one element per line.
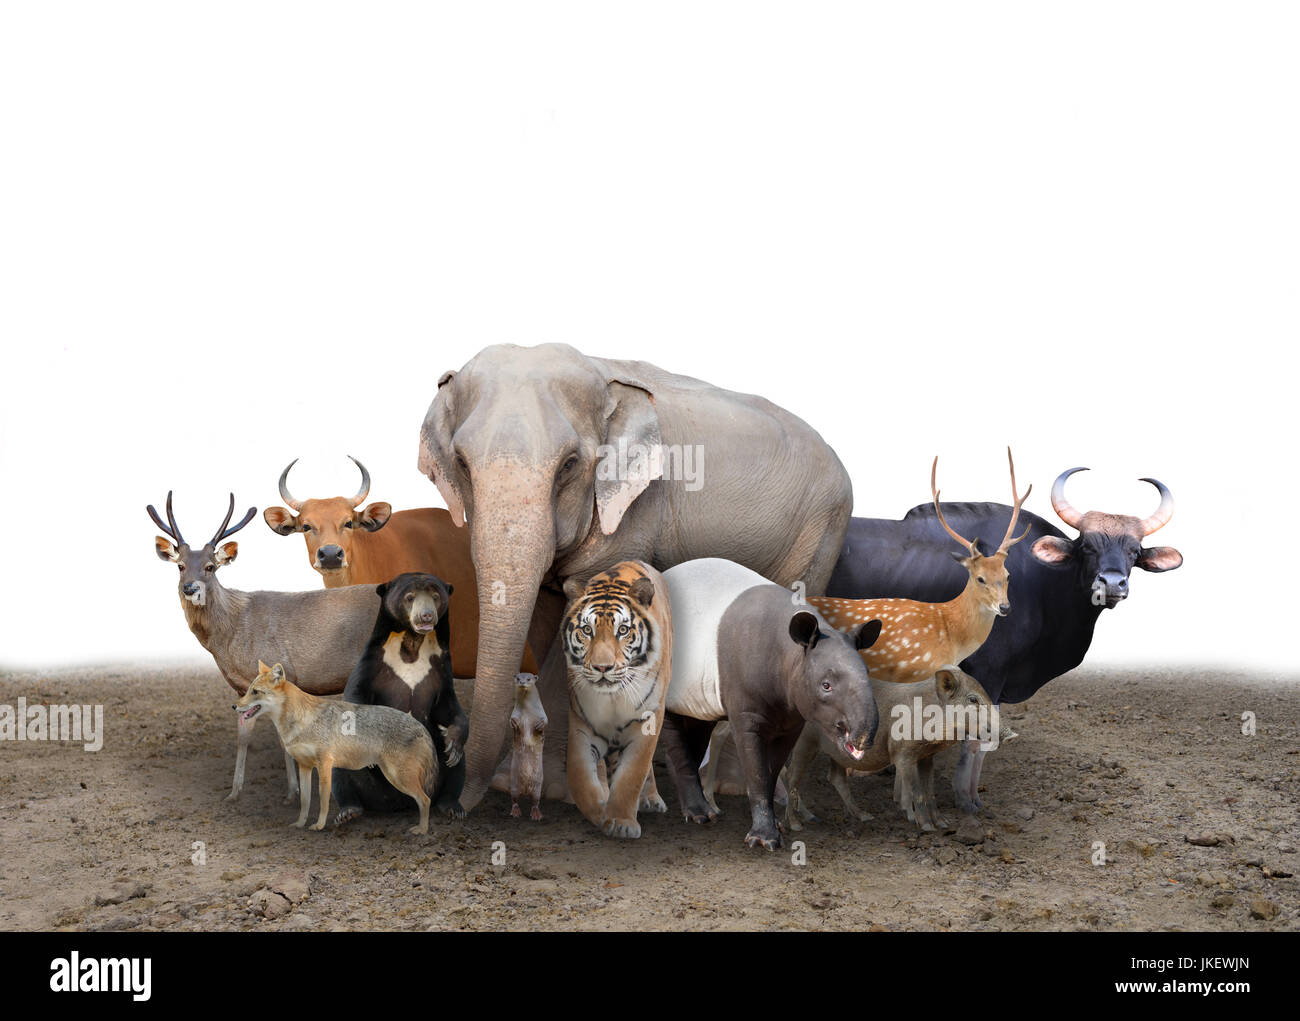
<point x="561" y="465"/>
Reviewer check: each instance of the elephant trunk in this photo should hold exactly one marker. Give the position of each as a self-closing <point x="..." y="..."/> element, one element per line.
<point x="512" y="543"/>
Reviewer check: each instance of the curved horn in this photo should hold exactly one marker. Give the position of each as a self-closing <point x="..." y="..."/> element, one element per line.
<point x="1059" y="503"/>
<point x="173" y="531"/>
<point x="970" y="546"/>
<point x="223" y="531"/>
<point x="1007" y="541"/>
<point x="364" y="491"/>
<point x="285" y="495"/>
<point x="1163" y="513"/>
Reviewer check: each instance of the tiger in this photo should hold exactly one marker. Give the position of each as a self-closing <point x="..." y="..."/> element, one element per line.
<point x="617" y="637"/>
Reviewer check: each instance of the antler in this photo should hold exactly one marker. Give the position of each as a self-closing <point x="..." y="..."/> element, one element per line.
<point x="173" y="531"/>
<point x="1163" y="513"/>
<point x="223" y="532"/>
<point x="1007" y="541"/>
<point x="364" y="491"/>
<point x="1060" y="504"/>
<point x="943" y="521"/>
<point x="285" y="495"/>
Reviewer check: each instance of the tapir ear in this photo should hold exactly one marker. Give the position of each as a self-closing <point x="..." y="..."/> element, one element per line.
<point x="1053" y="550"/>
<point x="945" y="681"/>
<point x="1160" y="558"/>
<point x="805" y="630"/>
<point x="630" y="457"/>
<point x="436" y="445"/>
<point x="226" y="554"/>
<point x="864" y="635"/>
<point x="573" y="588"/>
<point x="165" y="550"/>
<point x="280" y="520"/>
<point x="376" y="516"/>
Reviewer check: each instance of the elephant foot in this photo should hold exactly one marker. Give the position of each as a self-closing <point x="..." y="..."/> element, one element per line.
<point x="622" y="829"/>
<point x="347" y="814"/>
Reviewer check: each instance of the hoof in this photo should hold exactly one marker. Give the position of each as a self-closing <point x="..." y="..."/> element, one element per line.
<point x="514" y="810"/>
<point x="623" y="829"/>
<point x="233" y="795"/>
<point x="536" y="813"/>
<point x="346" y="815"/>
<point x="758" y="840"/>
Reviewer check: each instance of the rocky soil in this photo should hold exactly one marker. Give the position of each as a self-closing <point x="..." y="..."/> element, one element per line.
<point x="1199" y="824"/>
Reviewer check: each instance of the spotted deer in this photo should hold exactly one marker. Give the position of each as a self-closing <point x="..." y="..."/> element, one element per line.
<point x="917" y="638"/>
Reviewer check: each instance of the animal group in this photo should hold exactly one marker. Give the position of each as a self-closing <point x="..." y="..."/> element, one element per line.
<point x="630" y="561"/>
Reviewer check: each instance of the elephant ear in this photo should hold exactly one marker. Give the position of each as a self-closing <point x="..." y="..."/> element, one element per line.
<point x="435" y="447"/>
<point x="630" y="457"/>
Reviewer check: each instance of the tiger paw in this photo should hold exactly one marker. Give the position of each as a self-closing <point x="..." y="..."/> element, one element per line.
<point x="623" y="829"/>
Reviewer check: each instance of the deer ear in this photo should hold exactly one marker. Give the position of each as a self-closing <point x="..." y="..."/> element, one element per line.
<point x="376" y="516"/>
<point x="631" y="424"/>
<point x="165" y="550"/>
<point x="281" y="520"/>
<point x="226" y="554"/>
<point x="1160" y="558"/>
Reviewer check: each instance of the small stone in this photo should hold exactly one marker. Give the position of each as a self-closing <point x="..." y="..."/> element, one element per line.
<point x="269" y="904"/>
<point x="1024" y="812"/>
<point x="1223" y="900"/>
<point x="945" y="856"/>
<point x="1264" y="910"/>
<point x="969" y="831"/>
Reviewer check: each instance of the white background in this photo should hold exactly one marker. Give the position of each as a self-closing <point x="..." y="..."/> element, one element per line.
<point x="234" y="234"/>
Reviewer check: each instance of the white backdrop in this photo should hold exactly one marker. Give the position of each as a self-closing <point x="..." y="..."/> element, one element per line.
<point x="237" y="234"/>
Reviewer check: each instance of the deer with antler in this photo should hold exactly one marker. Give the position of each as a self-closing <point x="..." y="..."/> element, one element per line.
<point x="318" y="636"/>
<point x="918" y="638"/>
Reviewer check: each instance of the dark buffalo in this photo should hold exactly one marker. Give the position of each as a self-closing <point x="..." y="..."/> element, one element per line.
<point x="1059" y="586"/>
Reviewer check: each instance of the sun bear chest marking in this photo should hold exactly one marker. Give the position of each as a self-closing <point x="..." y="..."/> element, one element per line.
<point x="410" y="678"/>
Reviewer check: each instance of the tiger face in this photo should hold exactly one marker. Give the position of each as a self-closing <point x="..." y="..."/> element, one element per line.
<point x="611" y="639"/>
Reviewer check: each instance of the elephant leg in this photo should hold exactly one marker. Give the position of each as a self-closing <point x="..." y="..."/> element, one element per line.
<point x="553" y="689"/>
<point x="709" y="771"/>
<point x="684" y="741"/>
<point x="812" y="556"/>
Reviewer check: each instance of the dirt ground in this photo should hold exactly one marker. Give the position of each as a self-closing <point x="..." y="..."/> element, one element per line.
<point x="138" y="836"/>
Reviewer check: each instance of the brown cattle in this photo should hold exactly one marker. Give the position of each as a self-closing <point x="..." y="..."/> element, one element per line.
<point x="350" y="546"/>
